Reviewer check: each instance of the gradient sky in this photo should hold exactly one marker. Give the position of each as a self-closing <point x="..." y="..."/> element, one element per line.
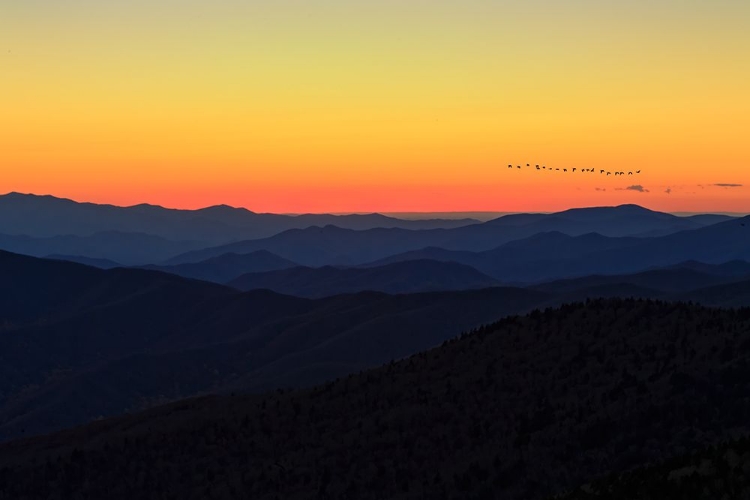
<point x="377" y="105"/>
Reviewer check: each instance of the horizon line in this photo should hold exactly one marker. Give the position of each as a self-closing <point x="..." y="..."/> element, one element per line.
<point x="388" y="213"/>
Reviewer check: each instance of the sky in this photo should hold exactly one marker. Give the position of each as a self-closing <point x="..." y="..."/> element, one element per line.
<point x="387" y="105"/>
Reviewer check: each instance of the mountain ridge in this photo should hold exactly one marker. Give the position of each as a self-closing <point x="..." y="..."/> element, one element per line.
<point x="47" y="216"/>
<point x="409" y="277"/>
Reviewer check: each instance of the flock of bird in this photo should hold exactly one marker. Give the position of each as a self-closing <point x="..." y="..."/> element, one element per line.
<point x="574" y="169"/>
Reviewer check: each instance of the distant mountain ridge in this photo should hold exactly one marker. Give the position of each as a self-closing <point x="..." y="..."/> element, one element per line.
<point x="330" y="245"/>
<point x="45" y="216"/>
<point x="44" y="225"/>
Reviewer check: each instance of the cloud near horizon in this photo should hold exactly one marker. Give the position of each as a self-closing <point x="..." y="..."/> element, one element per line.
<point x="727" y="185"/>
<point x="636" y="187"/>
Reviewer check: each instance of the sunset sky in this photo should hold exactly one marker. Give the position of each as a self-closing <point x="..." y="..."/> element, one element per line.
<point x="377" y="105"/>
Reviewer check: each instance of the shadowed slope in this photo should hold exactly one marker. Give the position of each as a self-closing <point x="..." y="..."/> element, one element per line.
<point x="87" y="261"/>
<point x="78" y="342"/>
<point x="402" y="277"/>
<point x="127" y="248"/>
<point x="228" y="266"/>
<point x="665" y="280"/>
<point x="525" y="408"/>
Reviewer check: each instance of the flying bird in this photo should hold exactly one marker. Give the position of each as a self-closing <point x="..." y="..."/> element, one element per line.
<point x="575" y="169"/>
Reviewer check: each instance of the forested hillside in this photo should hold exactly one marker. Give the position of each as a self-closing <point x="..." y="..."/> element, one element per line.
<point x="718" y="472"/>
<point x="527" y="407"/>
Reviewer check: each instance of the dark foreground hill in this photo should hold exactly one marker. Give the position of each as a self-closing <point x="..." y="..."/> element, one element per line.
<point x="400" y="277"/>
<point x="524" y="408"/>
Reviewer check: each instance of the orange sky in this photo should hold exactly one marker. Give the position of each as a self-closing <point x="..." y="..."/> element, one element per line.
<point x="377" y="106"/>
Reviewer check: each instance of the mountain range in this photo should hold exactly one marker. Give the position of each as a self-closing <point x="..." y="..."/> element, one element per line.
<point x="555" y="255"/>
<point x="219" y="353"/>
<point x="45" y="216"/>
<point x="77" y="342"/>
<point x="151" y="235"/>
<point x="331" y="245"/>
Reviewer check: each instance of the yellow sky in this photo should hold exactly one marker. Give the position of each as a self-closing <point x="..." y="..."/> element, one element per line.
<point x="392" y="105"/>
